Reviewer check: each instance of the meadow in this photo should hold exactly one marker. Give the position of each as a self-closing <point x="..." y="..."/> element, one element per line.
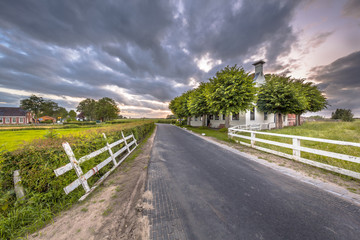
<point x="13" y="137"/>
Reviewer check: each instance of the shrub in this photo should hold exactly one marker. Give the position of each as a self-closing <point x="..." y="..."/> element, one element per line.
<point x="44" y="191"/>
<point x="80" y="123"/>
<point x="47" y="121"/>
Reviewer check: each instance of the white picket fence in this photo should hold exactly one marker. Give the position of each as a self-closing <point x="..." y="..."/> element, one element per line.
<point x="82" y="178"/>
<point x="297" y="149"/>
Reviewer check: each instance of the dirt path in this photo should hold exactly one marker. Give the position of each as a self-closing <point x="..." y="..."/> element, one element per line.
<point x="114" y="211"/>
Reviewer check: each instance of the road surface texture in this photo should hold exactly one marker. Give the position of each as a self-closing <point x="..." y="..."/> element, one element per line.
<point x="202" y="191"/>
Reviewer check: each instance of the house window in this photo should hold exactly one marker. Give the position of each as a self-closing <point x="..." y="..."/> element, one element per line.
<point x="235" y="116"/>
<point x="223" y="116"/>
<point x="14" y="120"/>
<point x="211" y="117"/>
<point x="1" y="120"/>
<point x="217" y="117"/>
<point x="7" y="120"/>
<point x="265" y="116"/>
<point x="252" y="114"/>
<point x="284" y="117"/>
<point x="195" y="118"/>
<point x="21" y="120"/>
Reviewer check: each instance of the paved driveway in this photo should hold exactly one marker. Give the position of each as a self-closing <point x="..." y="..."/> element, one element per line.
<point x="201" y="191"/>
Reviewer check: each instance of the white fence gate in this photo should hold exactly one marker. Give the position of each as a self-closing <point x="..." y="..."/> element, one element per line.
<point x="297" y="149"/>
<point x="82" y="178"/>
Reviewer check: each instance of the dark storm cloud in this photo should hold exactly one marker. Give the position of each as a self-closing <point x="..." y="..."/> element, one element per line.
<point x="76" y="48"/>
<point x="341" y="81"/>
<point x="352" y="8"/>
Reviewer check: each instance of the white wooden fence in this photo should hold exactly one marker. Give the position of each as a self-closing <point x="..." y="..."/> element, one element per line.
<point x="258" y="126"/>
<point x="297" y="149"/>
<point x="82" y="178"/>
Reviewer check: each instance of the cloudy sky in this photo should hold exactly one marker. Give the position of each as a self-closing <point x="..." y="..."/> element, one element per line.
<point x="144" y="53"/>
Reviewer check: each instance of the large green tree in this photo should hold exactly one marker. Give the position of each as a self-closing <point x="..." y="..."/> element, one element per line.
<point x="179" y="106"/>
<point x="197" y="103"/>
<point x="32" y="104"/>
<point x="88" y="108"/>
<point x="49" y="108"/>
<point x="343" y="114"/>
<point x="106" y="109"/>
<point x="61" y="112"/>
<point x="232" y="90"/>
<point x="315" y="100"/>
<point x="279" y="95"/>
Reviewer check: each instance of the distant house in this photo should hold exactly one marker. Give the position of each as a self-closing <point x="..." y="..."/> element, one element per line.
<point x="251" y="117"/>
<point x="15" y="115"/>
<point x="46" y="118"/>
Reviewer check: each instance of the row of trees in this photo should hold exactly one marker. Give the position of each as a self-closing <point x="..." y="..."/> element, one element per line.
<point x="104" y="109"/>
<point x="232" y="90"/>
<point x="43" y="107"/>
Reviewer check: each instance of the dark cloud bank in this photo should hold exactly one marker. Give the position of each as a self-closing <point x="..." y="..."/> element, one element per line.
<point x="146" y="48"/>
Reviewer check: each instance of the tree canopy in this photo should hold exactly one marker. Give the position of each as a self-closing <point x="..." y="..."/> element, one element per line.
<point x="231" y="90"/>
<point x="32" y="104"/>
<point x="88" y="108"/>
<point x="106" y="109"/>
<point x="343" y="114"/>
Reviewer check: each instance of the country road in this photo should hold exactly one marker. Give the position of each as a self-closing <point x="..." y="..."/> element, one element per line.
<point x="202" y="191"/>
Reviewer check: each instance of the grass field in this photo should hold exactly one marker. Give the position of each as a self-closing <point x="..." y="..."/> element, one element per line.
<point x="343" y="131"/>
<point x="12" y="137"/>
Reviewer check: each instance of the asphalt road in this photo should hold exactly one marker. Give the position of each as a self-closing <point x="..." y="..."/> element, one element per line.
<point x="201" y="191"/>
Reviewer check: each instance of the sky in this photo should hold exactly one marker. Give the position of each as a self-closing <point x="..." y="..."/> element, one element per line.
<point x="144" y="53"/>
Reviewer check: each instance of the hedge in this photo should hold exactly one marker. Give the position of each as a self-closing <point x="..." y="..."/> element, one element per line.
<point x="44" y="191"/>
<point x="80" y="123"/>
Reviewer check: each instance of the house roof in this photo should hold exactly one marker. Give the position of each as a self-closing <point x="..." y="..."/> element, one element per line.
<point x="12" y="111"/>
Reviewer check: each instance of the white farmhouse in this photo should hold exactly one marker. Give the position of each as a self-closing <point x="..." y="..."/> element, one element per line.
<point x="249" y="118"/>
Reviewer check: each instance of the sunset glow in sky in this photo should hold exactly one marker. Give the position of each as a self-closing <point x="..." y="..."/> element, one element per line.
<point x="144" y="53"/>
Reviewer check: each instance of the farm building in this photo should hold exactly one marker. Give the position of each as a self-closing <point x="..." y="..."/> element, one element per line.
<point x="253" y="117"/>
<point x="14" y="115"/>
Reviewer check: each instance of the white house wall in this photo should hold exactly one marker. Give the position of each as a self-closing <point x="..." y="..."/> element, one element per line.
<point x="194" y="123"/>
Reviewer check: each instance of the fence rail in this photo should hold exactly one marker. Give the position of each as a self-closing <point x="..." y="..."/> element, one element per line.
<point x="258" y="126"/>
<point x="297" y="149"/>
<point x="82" y="178"/>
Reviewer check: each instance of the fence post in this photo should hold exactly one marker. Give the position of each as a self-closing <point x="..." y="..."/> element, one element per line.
<point x="296" y="148"/>
<point x="76" y="166"/>
<point x="252" y="139"/>
<point x="110" y="151"/>
<point x="127" y="147"/>
<point x="19" y="189"/>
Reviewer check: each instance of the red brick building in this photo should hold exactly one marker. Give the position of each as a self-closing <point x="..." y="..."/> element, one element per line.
<point x="13" y="115"/>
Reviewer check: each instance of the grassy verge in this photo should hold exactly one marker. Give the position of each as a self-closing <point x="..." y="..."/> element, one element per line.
<point x="44" y="192"/>
<point x="343" y="131"/>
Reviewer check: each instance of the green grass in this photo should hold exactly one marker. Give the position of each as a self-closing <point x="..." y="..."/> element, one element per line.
<point x="216" y="133"/>
<point x="13" y="138"/>
<point x="342" y="131"/>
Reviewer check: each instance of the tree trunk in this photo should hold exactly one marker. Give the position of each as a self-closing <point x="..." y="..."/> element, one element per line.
<point x="298" y="120"/>
<point x="227" y="121"/>
<point x="278" y="122"/>
<point x="204" y="120"/>
<point x="188" y="121"/>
